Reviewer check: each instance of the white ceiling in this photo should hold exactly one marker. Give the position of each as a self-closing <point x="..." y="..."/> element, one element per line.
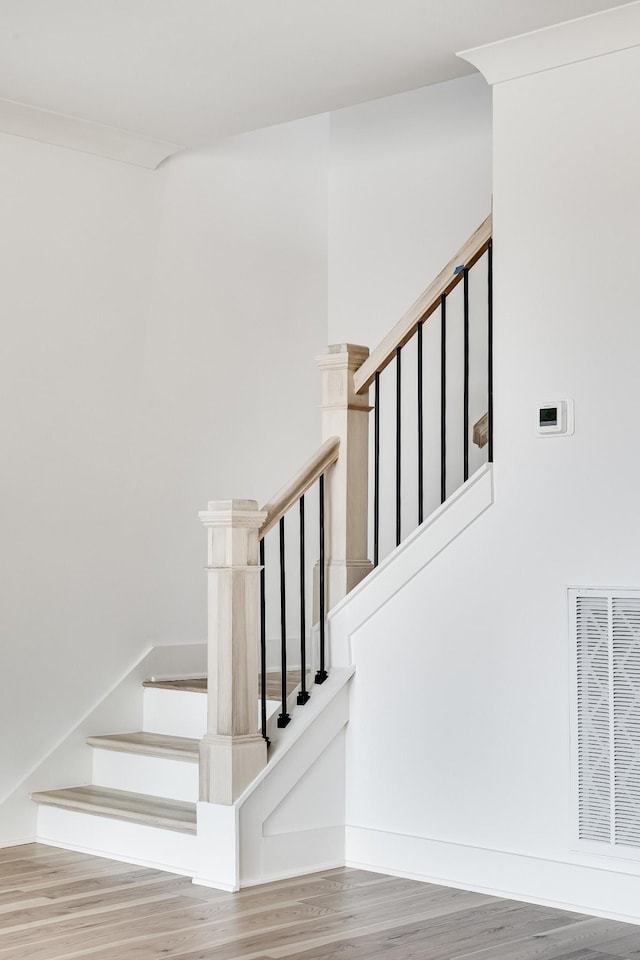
<point x="189" y="71"/>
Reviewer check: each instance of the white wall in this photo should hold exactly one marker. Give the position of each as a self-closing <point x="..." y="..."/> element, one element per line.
<point x="409" y="182"/>
<point x="158" y="351"/>
<point x="475" y="783"/>
<point x="238" y="317"/>
<point x="77" y="248"/>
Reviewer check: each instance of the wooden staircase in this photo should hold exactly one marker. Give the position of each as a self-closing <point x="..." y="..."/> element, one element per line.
<point x="145" y="783"/>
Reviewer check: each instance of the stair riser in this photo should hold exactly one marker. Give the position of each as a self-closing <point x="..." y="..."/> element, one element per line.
<point x="158" y="776"/>
<point x="177" y="713"/>
<point x="118" y="840"/>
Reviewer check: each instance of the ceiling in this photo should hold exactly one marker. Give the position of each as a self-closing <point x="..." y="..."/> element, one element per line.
<point x="189" y="71"/>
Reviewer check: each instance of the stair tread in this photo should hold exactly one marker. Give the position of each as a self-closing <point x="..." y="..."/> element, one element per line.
<point x="177" y="815"/>
<point x="149" y="745"/>
<point x="196" y="685"/>
<point x="199" y="684"/>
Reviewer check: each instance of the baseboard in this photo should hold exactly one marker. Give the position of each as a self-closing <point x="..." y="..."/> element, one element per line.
<point x="106" y="855"/>
<point x="5" y="844"/>
<point x="276" y="876"/>
<point x="595" y="890"/>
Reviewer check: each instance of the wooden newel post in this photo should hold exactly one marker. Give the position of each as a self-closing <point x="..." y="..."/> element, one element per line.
<point x="345" y="414"/>
<point x="232" y="751"/>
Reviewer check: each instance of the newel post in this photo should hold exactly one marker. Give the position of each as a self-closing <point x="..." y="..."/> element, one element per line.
<point x="345" y="414"/>
<point x="232" y="751"/>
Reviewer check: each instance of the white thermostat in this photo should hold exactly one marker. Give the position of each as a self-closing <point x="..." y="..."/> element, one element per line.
<point x="556" y="418"/>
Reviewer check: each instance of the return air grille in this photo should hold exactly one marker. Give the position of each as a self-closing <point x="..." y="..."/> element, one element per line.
<point x="607" y="717"/>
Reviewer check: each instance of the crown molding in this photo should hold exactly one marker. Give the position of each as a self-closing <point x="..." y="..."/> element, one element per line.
<point x="33" y="123"/>
<point x="564" y="43"/>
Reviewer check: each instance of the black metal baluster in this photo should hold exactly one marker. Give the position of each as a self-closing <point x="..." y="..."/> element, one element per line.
<point x="465" y="284"/>
<point x="420" y="432"/>
<point x="490" y="346"/>
<point x="443" y="399"/>
<point x="303" y="694"/>
<point x="376" y="470"/>
<point x="263" y="647"/>
<point x="398" y="447"/>
<point x="321" y="674"/>
<point x="284" y="717"/>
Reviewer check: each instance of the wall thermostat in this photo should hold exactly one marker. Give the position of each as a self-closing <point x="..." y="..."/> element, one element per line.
<point x="556" y="418"/>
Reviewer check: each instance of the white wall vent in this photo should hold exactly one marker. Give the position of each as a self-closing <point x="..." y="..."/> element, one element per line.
<point x="606" y="719"/>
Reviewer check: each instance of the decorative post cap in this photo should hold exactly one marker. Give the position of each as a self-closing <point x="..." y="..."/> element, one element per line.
<point x="341" y="355"/>
<point x="232" y="513"/>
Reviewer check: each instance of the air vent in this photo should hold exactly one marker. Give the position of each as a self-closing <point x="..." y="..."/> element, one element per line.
<point x="606" y="723"/>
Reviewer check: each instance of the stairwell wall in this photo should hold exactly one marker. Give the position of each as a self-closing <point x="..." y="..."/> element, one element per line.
<point x="409" y="181"/>
<point x="458" y="748"/>
<point x="77" y="246"/>
<point x="160" y="329"/>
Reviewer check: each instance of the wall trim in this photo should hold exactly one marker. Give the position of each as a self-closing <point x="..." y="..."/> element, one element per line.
<point x="120" y="858"/>
<point x="5" y="844"/>
<point x="73" y="133"/>
<point x="278" y="875"/>
<point x="556" y="46"/>
<point x="592" y="889"/>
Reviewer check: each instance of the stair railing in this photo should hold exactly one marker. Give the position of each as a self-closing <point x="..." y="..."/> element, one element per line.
<point x="434" y="300"/>
<point x="276" y="511"/>
<point x="234" y="748"/>
<point x="233" y="751"/>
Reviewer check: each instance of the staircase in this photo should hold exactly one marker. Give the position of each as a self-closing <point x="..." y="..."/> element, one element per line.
<point x="244" y="782"/>
<point x="145" y="783"/>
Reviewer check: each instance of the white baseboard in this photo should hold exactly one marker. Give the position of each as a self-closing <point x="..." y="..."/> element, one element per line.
<point x="214" y="885"/>
<point x="600" y="890"/>
<point x="5" y="844"/>
<point x="121" y="858"/>
<point x="276" y="876"/>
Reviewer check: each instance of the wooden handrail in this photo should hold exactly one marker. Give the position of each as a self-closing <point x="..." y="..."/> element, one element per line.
<point x="323" y="458"/>
<point x="424" y="306"/>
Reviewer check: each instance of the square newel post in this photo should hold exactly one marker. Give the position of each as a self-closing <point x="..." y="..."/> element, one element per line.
<point x="345" y="414"/>
<point x="232" y="751"/>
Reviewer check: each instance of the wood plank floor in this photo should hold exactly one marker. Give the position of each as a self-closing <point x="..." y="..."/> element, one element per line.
<point x="57" y="905"/>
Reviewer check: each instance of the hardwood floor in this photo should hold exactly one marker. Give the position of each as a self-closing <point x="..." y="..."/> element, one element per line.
<point x="58" y="905"/>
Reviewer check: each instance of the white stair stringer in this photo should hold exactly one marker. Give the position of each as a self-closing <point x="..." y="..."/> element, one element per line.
<point x="291" y="819"/>
<point x="412" y="555"/>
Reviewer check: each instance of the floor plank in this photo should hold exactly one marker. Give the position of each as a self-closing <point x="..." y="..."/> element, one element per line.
<point x="58" y="905"/>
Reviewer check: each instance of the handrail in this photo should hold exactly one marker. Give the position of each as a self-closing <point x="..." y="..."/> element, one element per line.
<point x="424" y="306"/>
<point x="276" y="508"/>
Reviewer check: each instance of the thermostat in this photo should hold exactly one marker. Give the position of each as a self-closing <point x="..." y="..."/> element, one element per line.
<point x="556" y="418"/>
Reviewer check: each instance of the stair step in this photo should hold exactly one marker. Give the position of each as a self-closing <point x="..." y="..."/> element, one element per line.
<point x="196" y="685"/>
<point x="199" y="684"/>
<point x="149" y="745"/>
<point x="141" y="808"/>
